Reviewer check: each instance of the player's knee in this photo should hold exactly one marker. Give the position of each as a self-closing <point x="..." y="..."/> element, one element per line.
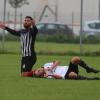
<point x="27" y="74"/>
<point x="75" y="60"/>
<point x="72" y="75"/>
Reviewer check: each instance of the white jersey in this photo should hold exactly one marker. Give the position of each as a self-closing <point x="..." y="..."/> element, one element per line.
<point x="59" y="70"/>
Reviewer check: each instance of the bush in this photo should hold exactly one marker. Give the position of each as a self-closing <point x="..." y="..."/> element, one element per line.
<point x="92" y="39"/>
<point x="10" y="37"/>
<point x="60" y="38"/>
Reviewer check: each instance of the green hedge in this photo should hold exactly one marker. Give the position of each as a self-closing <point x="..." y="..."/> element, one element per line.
<point x="58" y="38"/>
<point x="10" y="37"/>
<point x="63" y="38"/>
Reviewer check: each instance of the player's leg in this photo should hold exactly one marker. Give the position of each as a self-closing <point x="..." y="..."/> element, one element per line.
<point x="75" y="76"/>
<point x="73" y="65"/>
<point x="72" y="70"/>
<point x="77" y="60"/>
<point x="26" y="66"/>
<point x="87" y="67"/>
<point x="72" y="75"/>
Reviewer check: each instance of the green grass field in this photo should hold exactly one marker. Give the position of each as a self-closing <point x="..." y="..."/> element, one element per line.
<point x="53" y="47"/>
<point x="14" y="87"/>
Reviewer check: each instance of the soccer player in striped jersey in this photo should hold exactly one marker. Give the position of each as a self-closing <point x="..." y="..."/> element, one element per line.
<point x="27" y="36"/>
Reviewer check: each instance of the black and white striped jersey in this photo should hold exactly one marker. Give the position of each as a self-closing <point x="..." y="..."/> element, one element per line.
<point x="27" y="37"/>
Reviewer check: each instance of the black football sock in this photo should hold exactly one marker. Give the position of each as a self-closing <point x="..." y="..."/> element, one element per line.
<point x="88" y="68"/>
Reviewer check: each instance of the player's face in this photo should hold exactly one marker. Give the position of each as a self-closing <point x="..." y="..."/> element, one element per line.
<point x="39" y="72"/>
<point x="27" y="23"/>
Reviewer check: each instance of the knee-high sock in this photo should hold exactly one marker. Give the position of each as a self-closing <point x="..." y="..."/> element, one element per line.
<point x="88" y="68"/>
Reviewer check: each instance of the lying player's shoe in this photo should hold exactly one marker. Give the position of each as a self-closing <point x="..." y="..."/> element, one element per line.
<point x="92" y="70"/>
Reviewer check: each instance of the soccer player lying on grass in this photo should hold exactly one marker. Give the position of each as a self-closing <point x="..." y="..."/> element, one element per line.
<point x="53" y="70"/>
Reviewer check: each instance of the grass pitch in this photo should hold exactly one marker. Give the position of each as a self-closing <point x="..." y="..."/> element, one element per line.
<point x="14" y="87"/>
<point x="14" y="47"/>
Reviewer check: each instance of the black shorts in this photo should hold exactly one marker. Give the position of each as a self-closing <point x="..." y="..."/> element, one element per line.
<point x="27" y="63"/>
<point x="72" y="68"/>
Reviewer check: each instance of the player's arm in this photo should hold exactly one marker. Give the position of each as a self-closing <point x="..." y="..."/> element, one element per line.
<point x="34" y="26"/>
<point x="52" y="75"/>
<point x="13" y="32"/>
<point x="50" y="68"/>
<point x="54" y="65"/>
<point x="56" y="76"/>
<point x="45" y="75"/>
<point x="3" y="26"/>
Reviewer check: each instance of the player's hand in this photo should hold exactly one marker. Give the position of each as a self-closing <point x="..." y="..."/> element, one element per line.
<point x="45" y="75"/>
<point x="2" y="26"/>
<point x="33" y="22"/>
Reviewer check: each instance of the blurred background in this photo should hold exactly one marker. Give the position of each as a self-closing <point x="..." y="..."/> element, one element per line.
<point x="66" y="11"/>
<point x="58" y="21"/>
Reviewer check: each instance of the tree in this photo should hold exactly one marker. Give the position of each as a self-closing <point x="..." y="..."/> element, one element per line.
<point x="17" y="4"/>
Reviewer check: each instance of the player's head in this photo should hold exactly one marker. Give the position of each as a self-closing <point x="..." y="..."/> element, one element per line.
<point x="39" y="72"/>
<point x="28" y="21"/>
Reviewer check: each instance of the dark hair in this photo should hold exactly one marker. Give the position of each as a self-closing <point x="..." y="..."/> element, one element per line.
<point x="29" y="17"/>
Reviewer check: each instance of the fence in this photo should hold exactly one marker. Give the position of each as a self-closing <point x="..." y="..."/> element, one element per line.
<point x="71" y="19"/>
